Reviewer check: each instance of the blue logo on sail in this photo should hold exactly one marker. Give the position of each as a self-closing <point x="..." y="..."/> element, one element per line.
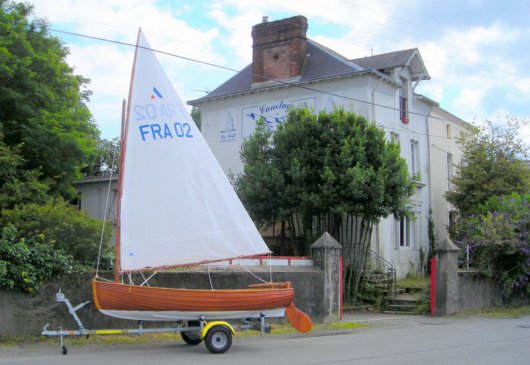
<point x="156" y="94"/>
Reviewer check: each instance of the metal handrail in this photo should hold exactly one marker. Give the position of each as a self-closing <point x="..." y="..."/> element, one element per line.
<point x="379" y="261"/>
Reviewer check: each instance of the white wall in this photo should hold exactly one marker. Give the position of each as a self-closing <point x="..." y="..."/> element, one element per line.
<point x="441" y="145"/>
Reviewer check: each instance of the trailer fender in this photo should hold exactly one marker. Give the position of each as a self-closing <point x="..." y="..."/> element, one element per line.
<point x="209" y="325"/>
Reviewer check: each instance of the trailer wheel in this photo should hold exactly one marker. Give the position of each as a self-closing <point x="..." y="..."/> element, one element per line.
<point x="218" y="339"/>
<point x="191" y="337"/>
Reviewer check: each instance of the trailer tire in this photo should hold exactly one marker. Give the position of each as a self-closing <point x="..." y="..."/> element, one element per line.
<point x="64" y="350"/>
<point x="218" y="339"/>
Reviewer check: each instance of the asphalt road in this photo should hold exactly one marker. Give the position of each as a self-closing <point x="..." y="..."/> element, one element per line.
<point x="388" y="340"/>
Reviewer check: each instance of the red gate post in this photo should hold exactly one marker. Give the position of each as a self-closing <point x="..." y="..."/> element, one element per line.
<point x="433" y="285"/>
<point x="341" y="286"/>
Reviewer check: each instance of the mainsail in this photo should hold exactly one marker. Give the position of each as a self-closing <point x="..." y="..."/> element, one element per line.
<point x="177" y="205"/>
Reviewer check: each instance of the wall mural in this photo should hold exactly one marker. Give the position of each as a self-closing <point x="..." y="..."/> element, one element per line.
<point x="228" y="131"/>
<point x="274" y="113"/>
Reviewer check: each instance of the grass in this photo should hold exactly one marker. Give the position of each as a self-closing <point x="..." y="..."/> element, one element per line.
<point x="500" y="312"/>
<point x="414" y="281"/>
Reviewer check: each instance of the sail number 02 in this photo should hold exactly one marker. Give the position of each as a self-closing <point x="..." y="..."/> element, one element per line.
<point x="156" y="131"/>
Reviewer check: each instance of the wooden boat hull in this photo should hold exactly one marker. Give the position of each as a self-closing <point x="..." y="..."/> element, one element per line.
<point x="145" y="303"/>
<point x="111" y="296"/>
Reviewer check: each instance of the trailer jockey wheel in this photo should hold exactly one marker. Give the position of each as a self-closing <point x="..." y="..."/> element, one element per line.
<point x="191" y="337"/>
<point x="218" y="339"/>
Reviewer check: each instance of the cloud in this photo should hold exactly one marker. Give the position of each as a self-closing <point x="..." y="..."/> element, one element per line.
<point x="477" y="65"/>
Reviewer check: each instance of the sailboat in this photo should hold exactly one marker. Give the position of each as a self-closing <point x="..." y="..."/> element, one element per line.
<point x="177" y="208"/>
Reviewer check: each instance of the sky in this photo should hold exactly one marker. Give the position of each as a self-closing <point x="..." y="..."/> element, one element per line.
<point x="477" y="52"/>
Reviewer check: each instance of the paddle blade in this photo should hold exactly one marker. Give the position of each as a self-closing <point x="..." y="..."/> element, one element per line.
<point x="298" y="319"/>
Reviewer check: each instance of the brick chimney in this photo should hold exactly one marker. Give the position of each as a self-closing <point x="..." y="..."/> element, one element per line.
<point x="279" y="48"/>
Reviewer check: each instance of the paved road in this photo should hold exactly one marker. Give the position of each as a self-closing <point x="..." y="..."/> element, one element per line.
<point x="388" y="340"/>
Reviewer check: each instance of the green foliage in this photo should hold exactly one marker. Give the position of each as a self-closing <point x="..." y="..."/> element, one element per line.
<point x="431" y="232"/>
<point x="196" y="116"/>
<point x="17" y="185"/>
<point x="69" y="229"/>
<point x="494" y="167"/>
<point x="105" y="159"/>
<point x="332" y="163"/>
<point x="42" y="103"/>
<point x="262" y="184"/>
<point x="500" y="243"/>
<point x="25" y="263"/>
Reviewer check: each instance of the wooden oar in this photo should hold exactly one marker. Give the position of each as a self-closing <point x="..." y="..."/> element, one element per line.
<point x="298" y="319"/>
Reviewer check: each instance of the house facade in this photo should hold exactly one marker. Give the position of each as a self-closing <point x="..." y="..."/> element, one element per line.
<point x="290" y="70"/>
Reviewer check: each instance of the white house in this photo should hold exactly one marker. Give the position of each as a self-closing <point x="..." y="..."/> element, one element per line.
<point x="288" y="69"/>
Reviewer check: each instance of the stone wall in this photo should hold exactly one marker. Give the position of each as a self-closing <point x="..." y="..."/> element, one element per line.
<point x="476" y="291"/>
<point x="26" y="314"/>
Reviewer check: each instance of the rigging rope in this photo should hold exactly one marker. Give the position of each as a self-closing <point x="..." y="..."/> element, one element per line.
<point x="106" y="208"/>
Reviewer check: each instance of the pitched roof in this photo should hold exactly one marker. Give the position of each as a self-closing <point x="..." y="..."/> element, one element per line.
<point x="322" y="63"/>
<point x="409" y="57"/>
<point x="386" y="60"/>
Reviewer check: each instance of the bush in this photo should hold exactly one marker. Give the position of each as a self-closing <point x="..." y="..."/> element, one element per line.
<point x="24" y="264"/>
<point x="499" y="241"/>
<point x="69" y="229"/>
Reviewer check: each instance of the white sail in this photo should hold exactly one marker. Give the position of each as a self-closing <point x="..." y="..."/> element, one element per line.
<point x="177" y="205"/>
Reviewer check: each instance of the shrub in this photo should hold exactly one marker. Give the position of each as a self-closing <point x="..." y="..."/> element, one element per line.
<point x="69" y="229"/>
<point x="24" y="264"/>
<point x="499" y="241"/>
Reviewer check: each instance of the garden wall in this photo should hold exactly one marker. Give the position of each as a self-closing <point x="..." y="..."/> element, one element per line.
<point x="477" y="291"/>
<point x="25" y="314"/>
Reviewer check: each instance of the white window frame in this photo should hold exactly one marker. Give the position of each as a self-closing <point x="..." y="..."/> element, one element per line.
<point x="406" y="233"/>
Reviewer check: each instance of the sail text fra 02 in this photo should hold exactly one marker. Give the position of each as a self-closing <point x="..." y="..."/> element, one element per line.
<point x="176" y="207"/>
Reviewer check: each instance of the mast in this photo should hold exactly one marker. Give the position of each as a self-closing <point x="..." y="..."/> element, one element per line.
<point x="125" y="115"/>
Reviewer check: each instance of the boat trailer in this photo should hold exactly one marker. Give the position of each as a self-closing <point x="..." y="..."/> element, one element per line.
<point x="217" y="335"/>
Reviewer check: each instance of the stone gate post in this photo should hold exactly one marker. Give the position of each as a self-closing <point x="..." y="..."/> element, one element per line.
<point x="326" y="256"/>
<point x="446" y="278"/>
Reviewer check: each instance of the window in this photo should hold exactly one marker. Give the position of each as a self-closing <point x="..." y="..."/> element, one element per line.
<point x="449" y="132"/>
<point x="449" y="170"/>
<point x="394" y="137"/>
<point x="403" y="105"/>
<point x="406" y="229"/>
<point x="414" y="157"/>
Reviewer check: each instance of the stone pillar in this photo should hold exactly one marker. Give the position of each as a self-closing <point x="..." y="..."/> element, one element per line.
<point x="326" y="256"/>
<point x="446" y="278"/>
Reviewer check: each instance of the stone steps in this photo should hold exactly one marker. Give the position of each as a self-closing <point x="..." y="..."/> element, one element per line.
<point x="404" y="303"/>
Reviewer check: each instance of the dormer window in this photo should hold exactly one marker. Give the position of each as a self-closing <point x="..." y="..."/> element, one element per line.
<point x="403" y="104"/>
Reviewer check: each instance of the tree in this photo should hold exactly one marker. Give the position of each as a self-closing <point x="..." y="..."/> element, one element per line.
<point x="331" y="172"/>
<point x="105" y="159"/>
<point x="17" y="185"/>
<point x="196" y="116"/>
<point x="493" y="167"/>
<point x="42" y="103"/>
